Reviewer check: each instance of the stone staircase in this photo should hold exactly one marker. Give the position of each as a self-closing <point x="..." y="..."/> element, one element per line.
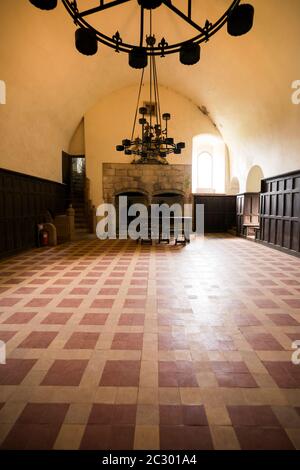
<point x="79" y="203"/>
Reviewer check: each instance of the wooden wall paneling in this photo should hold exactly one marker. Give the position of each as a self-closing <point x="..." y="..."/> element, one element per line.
<point x="280" y="212"/>
<point x="219" y="212"/>
<point x="24" y="201"/>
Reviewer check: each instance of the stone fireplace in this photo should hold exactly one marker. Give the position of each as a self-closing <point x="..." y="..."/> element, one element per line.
<point x="147" y="184"/>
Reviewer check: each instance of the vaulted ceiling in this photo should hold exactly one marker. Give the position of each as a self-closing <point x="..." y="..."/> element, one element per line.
<point x="245" y="83"/>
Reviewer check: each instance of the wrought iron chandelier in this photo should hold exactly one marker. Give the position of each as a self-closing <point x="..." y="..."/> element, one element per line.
<point x="238" y="18"/>
<point x="154" y="145"/>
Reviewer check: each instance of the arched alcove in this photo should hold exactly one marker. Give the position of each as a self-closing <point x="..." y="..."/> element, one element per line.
<point x="234" y="186"/>
<point x="254" y="178"/>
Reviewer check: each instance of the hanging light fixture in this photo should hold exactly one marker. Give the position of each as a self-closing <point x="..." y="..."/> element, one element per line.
<point x="86" y="41"/>
<point x="190" y="53"/>
<point x="241" y="19"/>
<point x="44" y="4"/>
<point x="138" y="58"/>
<point x="150" y="4"/>
<point x="154" y="144"/>
<point x="238" y="17"/>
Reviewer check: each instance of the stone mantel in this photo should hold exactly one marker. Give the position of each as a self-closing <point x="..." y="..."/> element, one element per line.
<point x="149" y="180"/>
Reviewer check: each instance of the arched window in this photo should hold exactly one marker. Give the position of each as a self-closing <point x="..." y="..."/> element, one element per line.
<point x="209" y="164"/>
<point x="205" y="171"/>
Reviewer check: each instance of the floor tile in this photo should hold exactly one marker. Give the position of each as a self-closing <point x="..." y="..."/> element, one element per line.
<point x="113" y="345"/>
<point x="65" y="372"/>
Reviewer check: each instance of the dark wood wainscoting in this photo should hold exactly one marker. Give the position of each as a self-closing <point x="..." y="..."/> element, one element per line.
<point x="24" y="201"/>
<point x="219" y="212"/>
<point x="280" y="212"/>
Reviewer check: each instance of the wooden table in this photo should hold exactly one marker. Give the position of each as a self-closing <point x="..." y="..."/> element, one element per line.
<point x="157" y="225"/>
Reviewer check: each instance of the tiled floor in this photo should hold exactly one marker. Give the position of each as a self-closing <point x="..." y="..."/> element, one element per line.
<point x="115" y="346"/>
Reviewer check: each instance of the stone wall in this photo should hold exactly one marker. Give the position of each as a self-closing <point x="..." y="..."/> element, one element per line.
<point x="147" y="179"/>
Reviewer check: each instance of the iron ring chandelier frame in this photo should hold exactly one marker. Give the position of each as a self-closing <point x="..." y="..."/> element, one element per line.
<point x="155" y="145"/>
<point x="163" y="48"/>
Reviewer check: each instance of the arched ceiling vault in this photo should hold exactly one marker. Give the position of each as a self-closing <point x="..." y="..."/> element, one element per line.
<point x="245" y="83"/>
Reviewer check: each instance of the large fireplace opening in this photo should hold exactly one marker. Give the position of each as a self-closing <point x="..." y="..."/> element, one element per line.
<point x="169" y="198"/>
<point x="133" y="197"/>
<point x="168" y="185"/>
<point x="174" y="200"/>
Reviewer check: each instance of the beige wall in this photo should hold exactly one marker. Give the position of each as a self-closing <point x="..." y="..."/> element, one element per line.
<point x="49" y="87"/>
<point x="110" y="121"/>
<point x="245" y="84"/>
<point x="77" y="144"/>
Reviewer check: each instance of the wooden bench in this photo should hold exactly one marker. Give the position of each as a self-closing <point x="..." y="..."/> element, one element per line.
<point x="249" y="230"/>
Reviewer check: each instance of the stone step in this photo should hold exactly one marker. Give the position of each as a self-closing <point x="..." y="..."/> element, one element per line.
<point x="79" y="209"/>
<point x="81" y="223"/>
<point x="80" y="220"/>
<point x="79" y="231"/>
<point x="77" y="200"/>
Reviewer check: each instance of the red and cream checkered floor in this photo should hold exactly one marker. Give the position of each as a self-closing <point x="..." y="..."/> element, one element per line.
<point x="111" y="345"/>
